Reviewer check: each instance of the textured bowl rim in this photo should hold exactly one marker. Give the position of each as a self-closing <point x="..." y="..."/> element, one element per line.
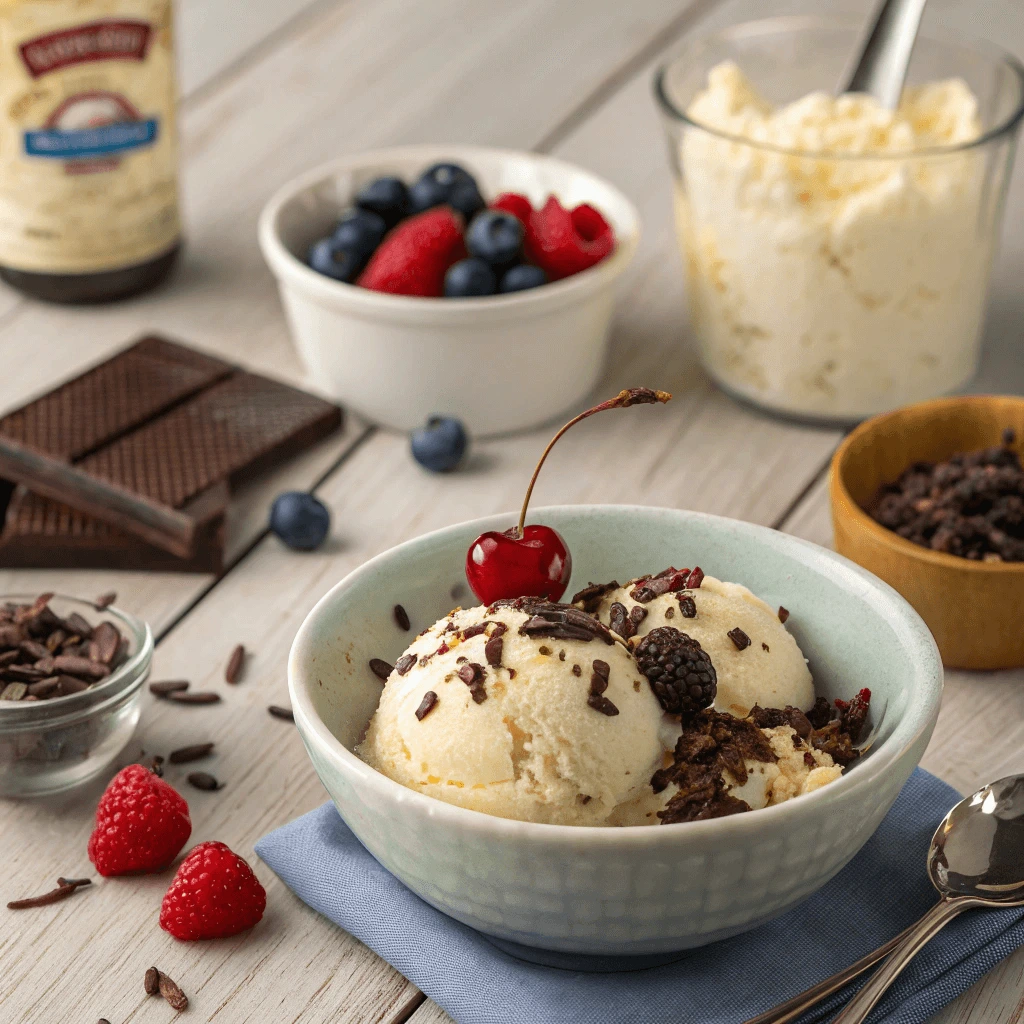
<point x="893" y="541"/>
<point x="911" y="630"/>
<point x="288" y="267"/>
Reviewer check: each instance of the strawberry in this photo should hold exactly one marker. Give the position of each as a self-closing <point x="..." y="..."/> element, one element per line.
<point x="213" y="895"/>
<point x="141" y="824"/>
<point x="415" y="255"/>
<point x="518" y="205"/>
<point x="563" y="242"/>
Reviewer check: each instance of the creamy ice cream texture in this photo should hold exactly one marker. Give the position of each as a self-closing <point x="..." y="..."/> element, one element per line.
<point x="771" y="671"/>
<point x="533" y="749"/>
<point x="568" y="731"/>
<point x="835" y="284"/>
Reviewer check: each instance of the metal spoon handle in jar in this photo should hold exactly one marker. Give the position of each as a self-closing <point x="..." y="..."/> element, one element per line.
<point x="885" y="57"/>
<point x="857" y="1009"/>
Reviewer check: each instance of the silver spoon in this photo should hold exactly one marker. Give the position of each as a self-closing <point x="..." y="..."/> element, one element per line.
<point x="976" y="859"/>
<point x="885" y="57"/>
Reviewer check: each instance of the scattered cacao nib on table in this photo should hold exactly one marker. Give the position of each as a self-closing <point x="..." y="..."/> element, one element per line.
<point x="277" y="711"/>
<point x="234" y="668"/>
<point x="156" y="982"/>
<point x="168" y="686"/>
<point x="204" y="781"/>
<point x="65" y="887"/>
<point x="971" y="505"/>
<point x="193" y="752"/>
<point x="44" y="656"/>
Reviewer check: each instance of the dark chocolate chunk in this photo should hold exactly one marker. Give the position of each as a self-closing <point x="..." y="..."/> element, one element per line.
<point x="381" y="669"/>
<point x="427" y="705"/>
<point x="739" y="638"/>
<point x="404" y="663"/>
<point x="401" y="618"/>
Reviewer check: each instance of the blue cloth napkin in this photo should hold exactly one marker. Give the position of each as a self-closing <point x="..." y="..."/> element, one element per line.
<point x="877" y="895"/>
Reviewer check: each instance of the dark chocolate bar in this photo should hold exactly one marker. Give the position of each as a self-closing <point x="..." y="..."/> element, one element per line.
<point x="155" y="466"/>
<point x="42" y="533"/>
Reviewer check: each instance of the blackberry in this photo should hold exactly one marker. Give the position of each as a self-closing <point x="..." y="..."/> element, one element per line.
<point x="678" y="669"/>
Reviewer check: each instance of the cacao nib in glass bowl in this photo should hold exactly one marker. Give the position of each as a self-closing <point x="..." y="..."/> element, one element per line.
<point x="54" y="744"/>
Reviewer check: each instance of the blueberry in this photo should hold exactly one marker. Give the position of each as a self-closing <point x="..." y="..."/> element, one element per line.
<point x="448" y="174"/>
<point x="300" y="520"/>
<point x="495" y="236"/>
<point x="470" y="277"/>
<point x="442" y="183"/>
<point x="440" y="445"/>
<point x="465" y="198"/>
<point x="426" y="194"/>
<point x="522" y="276"/>
<point x="386" y="197"/>
<point x="359" y="232"/>
<point x="327" y="257"/>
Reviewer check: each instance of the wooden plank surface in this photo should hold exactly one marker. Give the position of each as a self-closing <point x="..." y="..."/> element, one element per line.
<point x="338" y="78"/>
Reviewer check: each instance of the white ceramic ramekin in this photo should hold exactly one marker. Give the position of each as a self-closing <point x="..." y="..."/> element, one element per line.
<point x="640" y="890"/>
<point x="498" y="363"/>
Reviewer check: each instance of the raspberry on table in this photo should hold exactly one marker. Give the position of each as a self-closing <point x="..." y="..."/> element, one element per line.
<point x="141" y="824"/>
<point x="678" y="669"/>
<point x="213" y="895"/>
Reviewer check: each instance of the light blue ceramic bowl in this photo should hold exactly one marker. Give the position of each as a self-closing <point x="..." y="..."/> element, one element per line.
<point x="642" y="890"/>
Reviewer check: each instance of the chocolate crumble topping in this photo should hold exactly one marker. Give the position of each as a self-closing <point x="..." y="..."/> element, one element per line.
<point x="601" y="703"/>
<point x="739" y="638"/>
<point x="427" y="705"/>
<point x="559" y="621"/>
<point x="783" y="613"/>
<point x="493" y="650"/>
<point x="711" y="743"/>
<point x="404" y="663"/>
<point x="589" y="598"/>
<point x="670" y="612"/>
<point x="576" y="670"/>
<point x="765" y="648"/>
<point x="687" y="606"/>
<point x="472" y="675"/>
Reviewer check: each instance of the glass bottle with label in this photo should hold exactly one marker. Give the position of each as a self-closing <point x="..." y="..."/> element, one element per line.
<point x="88" y="147"/>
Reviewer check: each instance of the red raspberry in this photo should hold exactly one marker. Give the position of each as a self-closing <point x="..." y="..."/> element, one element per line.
<point x="414" y="256"/>
<point x="213" y="895"/>
<point x="563" y="243"/>
<point x="141" y="824"/>
<point x="518" y="205"/>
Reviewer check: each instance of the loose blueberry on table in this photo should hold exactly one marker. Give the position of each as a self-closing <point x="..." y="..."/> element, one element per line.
<point x="534" y="560"/>
<point x="437" y="238"/>
<point x="441" y="445"/>
<point x="300" y="520"/>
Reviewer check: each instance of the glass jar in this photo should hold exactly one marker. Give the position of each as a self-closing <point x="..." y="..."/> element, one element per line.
<point x="52" y="745"/>
<point x="830" y="285"/>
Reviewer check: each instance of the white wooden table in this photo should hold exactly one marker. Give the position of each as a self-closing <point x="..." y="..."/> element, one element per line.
<point x="271" y="87"/>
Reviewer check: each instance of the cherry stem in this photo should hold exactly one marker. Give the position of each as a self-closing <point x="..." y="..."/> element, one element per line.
<point x="623" y="400"/>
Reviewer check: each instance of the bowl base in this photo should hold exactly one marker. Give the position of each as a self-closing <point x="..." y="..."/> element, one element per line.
<point x="592" y="963"/>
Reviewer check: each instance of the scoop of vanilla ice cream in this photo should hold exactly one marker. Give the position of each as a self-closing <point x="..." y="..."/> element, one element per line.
<point x="771" y="671"/>
<point x="533" y="749"/>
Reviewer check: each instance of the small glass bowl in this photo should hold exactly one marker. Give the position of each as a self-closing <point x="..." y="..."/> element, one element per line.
<point x="53" y="745"/>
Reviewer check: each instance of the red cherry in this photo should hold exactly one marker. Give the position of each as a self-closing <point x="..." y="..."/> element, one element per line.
<point x="534" y="561"/>
<point x="538" y="564"/>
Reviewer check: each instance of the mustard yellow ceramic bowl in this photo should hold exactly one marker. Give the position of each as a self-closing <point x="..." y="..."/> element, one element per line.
<point x="973" y="608"/>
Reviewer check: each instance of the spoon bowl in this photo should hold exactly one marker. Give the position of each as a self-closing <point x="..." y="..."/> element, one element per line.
<point x="978" y="850"/>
